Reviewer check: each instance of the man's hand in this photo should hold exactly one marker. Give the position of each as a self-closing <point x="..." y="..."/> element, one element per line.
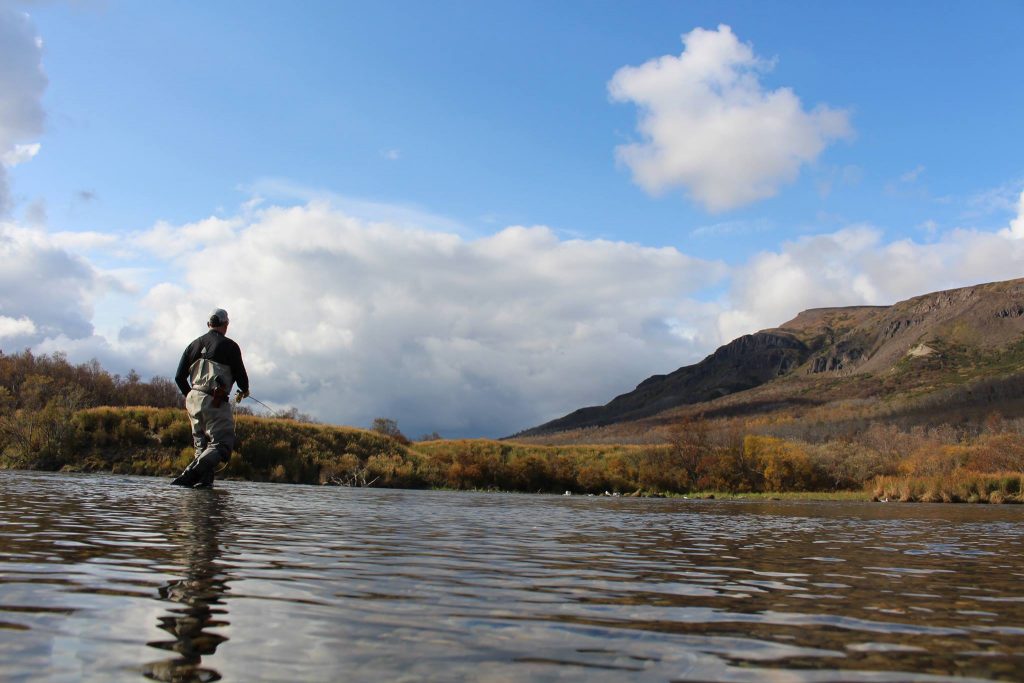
<point x="239" y="395"/>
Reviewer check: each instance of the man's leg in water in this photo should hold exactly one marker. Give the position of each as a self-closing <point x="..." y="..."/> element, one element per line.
<point x="194" y="407"/>
<point x="213" y="430"/>
<point x="220" y="425"/>
<point x="219" y="435"/>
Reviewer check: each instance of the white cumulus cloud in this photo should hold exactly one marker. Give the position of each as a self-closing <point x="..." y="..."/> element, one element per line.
<point x="1016" y="229"/>
<point x="167" y="240"/>
<point x="19" y="154"/>
<point x="349" y="319"/>
<point x="856" y="266"/>
<point x="710" y="127"/>
<point x="16" y="327"/>
<point x="44" y="288"/>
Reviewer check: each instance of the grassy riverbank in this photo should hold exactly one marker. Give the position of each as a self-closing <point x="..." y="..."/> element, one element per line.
<point x="156" y="441"/>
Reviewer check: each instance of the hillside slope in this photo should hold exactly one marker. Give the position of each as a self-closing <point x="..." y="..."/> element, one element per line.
<point x="920" y="345"/>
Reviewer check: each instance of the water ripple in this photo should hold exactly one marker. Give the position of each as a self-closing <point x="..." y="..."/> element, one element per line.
<point x="120" y="578"/>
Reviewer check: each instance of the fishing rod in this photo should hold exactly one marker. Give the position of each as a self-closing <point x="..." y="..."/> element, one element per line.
<point x="239" y="396"/>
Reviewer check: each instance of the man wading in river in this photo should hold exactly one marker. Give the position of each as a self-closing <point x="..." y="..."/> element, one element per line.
<point x="208" y="368"/>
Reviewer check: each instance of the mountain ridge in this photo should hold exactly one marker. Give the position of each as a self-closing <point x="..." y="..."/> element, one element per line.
<point x="926" y="339"/>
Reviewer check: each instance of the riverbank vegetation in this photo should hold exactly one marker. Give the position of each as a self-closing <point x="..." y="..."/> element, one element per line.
<point x="52" y="416"/>
<point x="156" y="441"/>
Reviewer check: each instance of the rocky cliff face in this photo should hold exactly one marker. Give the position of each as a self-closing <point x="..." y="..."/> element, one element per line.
<point x="841" y="341"/>
<point x="983" y="317"/>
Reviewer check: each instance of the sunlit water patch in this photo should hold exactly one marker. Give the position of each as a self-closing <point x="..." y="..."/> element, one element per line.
<point x="123" y="578"/>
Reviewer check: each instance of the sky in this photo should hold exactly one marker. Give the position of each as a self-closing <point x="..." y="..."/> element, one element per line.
<point x="474" y="217"/>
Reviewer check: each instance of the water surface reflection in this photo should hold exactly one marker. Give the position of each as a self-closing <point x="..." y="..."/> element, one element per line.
<point x="99" y="573"/>
<point x="197" y="597"/>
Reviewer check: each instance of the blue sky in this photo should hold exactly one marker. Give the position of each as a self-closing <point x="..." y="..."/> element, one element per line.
<point x="891" y="162"/>
<point x="500" y="114"/>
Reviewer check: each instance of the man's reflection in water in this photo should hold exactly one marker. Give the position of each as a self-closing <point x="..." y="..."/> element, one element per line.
<point x="198" y="595"/>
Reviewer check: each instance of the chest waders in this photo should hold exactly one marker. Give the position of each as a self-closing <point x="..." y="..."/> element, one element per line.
<point x="213" y="425"/>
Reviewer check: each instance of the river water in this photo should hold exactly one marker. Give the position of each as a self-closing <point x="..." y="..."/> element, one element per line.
<point x="107" y="577"/>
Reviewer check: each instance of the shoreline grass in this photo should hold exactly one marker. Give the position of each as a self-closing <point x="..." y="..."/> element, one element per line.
<point x="157" y="441"/>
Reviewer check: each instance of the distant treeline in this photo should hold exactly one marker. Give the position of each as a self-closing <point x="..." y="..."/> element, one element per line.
<point x="32" y="382"/>
<point x="39" y="395"/>
<point x="51" y="417"/>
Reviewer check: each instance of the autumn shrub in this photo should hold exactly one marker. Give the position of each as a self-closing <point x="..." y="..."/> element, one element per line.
<point x="593" y="477"/>
<point x="177" y="433"/>
<point x="998" y="452"/>
<point x="486" y="464"/>
<point x="624" y="470"/>
<point x="42" y="434"/>
<point x="846" y="464"/>
<point x="264" y="456"/>
<point x="783" y="465"/>
<point x="392" y="470"/>
<point x="564" y="468"/>
<point x="345" y="470"/>
<point x="477" y="468"/>
<point x="528" y="472"/>
<point x="1011" y="483"/>
<point x="689" y="448"/>
<point x="663" y="469"/>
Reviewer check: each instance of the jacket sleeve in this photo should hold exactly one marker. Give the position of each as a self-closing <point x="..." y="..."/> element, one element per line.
<point x="238" y="371"/>
<point x="181" y="376"/>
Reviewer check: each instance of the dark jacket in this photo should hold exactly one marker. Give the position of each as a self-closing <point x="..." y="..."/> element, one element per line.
<point x="216" y="347"/>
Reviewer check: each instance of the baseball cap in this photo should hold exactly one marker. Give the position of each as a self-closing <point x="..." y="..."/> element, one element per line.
<point x="218" y="317"/>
